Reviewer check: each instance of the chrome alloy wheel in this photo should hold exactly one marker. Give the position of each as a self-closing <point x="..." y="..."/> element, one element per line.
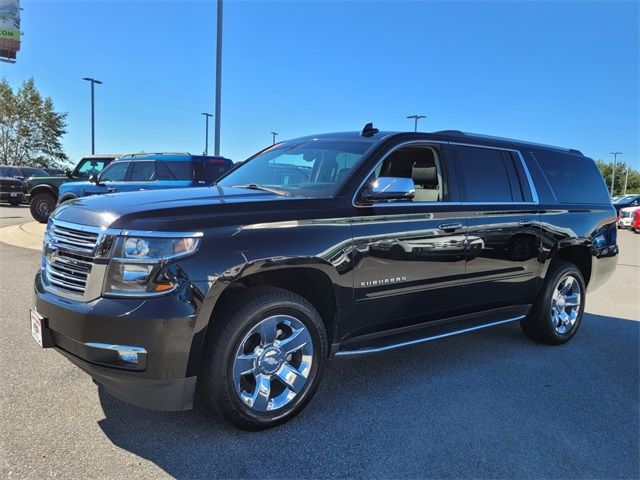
<point x="565" y="304"/>
<point x="272" y="363"/>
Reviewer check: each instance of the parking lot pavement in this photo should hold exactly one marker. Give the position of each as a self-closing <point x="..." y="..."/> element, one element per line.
<point x="487" y="404"/>
<point x="14" y="215"/>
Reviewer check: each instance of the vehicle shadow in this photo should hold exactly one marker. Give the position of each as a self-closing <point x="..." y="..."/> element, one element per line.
<point x="487" y="404"/>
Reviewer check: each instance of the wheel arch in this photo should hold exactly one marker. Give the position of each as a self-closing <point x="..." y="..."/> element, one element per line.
<point x="312" y="278"/>
<point x="44" y="188"/>
<point x="578" y="254"/>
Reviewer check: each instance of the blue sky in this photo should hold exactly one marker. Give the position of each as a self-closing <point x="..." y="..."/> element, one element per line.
<point x="563" y="73"/>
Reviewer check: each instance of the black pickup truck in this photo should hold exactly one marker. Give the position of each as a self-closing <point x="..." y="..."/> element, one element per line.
<point x="234" y="297"/>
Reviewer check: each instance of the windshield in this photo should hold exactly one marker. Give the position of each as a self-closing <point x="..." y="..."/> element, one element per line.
<point x="310" y="168"/>
<point x="625" y="199"/>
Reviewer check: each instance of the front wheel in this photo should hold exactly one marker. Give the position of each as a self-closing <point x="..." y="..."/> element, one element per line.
<point x="557" y="312"/>
<point x="42" y="204"/>
<point x="264" y="359"/>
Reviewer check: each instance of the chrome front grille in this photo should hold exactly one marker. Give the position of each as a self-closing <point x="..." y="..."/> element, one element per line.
<point x="69" y="263"/>
<point x="69" y="272"/>
<point x="75" y="239"/>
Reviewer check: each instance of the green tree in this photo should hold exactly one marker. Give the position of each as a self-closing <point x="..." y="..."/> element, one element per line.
<point x="30" y="129"/>
<point x="633" y="179"/>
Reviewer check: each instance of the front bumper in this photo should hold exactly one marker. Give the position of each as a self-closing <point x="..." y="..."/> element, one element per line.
<point x="625" y="222"/>
<point x="7" y="196"/>
<point x="163" y="327"/>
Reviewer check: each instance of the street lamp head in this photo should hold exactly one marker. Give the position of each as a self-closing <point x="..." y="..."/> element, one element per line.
<point x="274" y="133"/>
<point x="206" y="114"/>
<point x="92" y="80"/>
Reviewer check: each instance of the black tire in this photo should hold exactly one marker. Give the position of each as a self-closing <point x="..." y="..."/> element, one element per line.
<point x="216" y="393"/>
<point x="42" y="204"/>
<point x="538" y="325"/>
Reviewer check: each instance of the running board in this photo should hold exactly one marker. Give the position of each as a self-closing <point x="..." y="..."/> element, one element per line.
<point x="432" y="335"/>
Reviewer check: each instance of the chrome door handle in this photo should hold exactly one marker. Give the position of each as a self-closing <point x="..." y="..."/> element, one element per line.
<point x="111" y="190"/>
<point x="526" y="223"/>
<point x="450" y="227"/>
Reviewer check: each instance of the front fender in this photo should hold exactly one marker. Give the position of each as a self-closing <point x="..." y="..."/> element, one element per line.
<point x="229" y="255"/>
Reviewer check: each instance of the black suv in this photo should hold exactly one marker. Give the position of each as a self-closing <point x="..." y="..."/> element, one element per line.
<point x="235" y="296"/>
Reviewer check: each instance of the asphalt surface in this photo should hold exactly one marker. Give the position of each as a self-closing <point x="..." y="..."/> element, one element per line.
<point x="490" y="404"/>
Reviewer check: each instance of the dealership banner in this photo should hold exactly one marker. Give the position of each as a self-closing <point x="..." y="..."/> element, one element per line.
<point x="9" y="29"/>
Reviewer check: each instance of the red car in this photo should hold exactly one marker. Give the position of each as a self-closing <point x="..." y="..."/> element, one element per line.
<point x="635" y="222"/>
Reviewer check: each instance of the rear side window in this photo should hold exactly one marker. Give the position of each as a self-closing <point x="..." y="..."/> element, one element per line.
<point x="142" y="172"/>
<point x="210" y="170"/>
<point x="573" y="179"/>
<point x="488" y="175"/>
<point x="175" y="170"/>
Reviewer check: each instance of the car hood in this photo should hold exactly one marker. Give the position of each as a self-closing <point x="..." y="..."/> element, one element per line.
<point x="171" y="209"/>
<point x="54" y="180"/>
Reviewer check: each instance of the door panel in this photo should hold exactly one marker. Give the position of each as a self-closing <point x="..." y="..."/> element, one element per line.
<point x="406" y="266"/>
<point x="504" y="236"/>
<point x="502" y="263"/>
<point x="409" y="257"/>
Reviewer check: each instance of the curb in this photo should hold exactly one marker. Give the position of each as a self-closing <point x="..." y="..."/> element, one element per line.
<point x="27" y="235"/>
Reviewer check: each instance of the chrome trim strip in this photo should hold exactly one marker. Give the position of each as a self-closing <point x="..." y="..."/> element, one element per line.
<point x="366" y="351"/>
<point x="159" y="234"/>
<point x="109" y="346"/>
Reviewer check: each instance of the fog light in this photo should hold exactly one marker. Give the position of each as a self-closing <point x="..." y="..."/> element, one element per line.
<point x="129" y="357"/>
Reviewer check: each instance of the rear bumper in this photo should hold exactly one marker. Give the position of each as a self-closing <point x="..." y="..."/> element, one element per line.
<point x="603" y="267"/>
<point x="161" y="328"/>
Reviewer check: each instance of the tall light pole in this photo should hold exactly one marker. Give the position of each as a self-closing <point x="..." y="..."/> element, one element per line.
<point x="206" y="132"/>
<point x="93" y="111"/>
<point x="626" y="180"/>
<point x="274" y="134"/>
<point x="416" y="118"/>
<point x="218" y="78"/>
<point x="613" y="170"/>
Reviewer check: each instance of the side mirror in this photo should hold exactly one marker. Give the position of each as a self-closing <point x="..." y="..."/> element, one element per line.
<point x="68" y="173"/>
<point x="390" y="188"/>
<point x="93" y="179"/>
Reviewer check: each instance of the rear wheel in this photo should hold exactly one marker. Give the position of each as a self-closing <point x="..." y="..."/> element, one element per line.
<point x="264" y="360"/>
<point x="557" y="312"/>
<point x="42" y="204"/>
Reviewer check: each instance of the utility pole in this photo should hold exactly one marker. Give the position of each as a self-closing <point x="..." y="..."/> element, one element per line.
<point x="93" y="116"/>
<point x="416" y="118"/>
<point x="626" y="179"/>
<point x="206" y="131"/>
<point x="274" y="137"/>
<point x="218" y="78"/>
<point x="613" y="170"/>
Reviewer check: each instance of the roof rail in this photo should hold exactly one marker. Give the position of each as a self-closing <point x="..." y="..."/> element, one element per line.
<point x="153" y="153"/>
<point x="504" y="139"/>
<point x="449" y="132"/>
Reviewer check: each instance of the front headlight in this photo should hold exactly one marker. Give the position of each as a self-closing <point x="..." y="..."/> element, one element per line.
<point x="137" y="267"/>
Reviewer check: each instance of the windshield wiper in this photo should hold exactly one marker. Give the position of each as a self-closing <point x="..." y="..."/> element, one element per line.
<point x="255" y="186"/>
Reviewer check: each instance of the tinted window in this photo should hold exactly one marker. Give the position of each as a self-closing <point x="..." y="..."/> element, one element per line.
<point x="5" y="172"/>
<point x="485" y="176"/>
<point x="573" y="179"/>
<point x="175" y="170"/>
<point x="115" y="172"/>
<point x="142" y="172"/>
<point x="210" y="170"/>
